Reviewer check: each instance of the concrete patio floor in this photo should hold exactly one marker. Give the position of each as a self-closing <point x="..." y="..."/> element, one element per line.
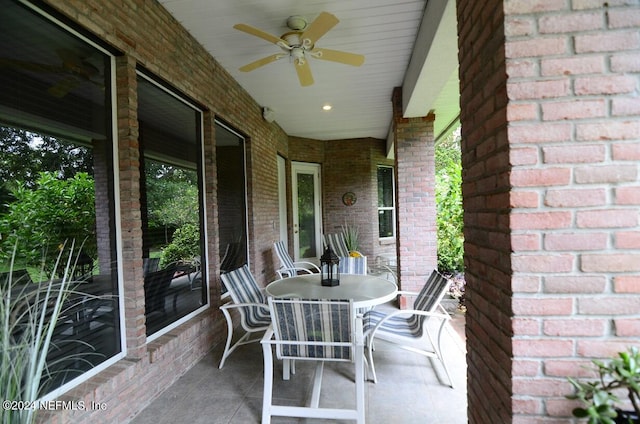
<point x="409" y="388"/>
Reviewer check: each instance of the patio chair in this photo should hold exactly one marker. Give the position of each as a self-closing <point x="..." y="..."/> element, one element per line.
<point x="337" y="243"/>
<point x="314" y="330"/>
<point x="407" y="328"/>
<point x="250" y="302"/>
<point x="288" y="267"/>
<point x="383" y="268"/>
<point x="156" y="287"/>
<point x="351" y="265"/>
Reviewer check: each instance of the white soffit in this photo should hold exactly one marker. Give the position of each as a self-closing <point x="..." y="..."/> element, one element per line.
<point x="433" y="69"/>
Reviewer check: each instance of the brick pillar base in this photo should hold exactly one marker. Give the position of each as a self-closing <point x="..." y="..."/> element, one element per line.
<point x="415" y="198"/>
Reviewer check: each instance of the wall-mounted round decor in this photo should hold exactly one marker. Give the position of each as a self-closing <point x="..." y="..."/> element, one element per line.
<point x="349" y="198"/>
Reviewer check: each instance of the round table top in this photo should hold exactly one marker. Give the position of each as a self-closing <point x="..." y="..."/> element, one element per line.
<point x="364" y="290"/>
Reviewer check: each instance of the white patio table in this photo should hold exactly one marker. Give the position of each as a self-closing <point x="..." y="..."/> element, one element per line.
<point x="365" y="290"/>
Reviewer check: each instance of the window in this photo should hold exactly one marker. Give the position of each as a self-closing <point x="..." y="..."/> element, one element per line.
<point x="386" y="203"/>
<point x="57" y="184"/>
<point x="232" y="198"/>
<point x="171" y="201"/>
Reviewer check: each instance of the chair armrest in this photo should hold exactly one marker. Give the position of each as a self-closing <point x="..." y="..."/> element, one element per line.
<point x="314" y="266"/>
<point x="371" y="333"/>
<point x="244" y="305"/>
<point x="407" y="293"/>
<point x="268" y="335"/>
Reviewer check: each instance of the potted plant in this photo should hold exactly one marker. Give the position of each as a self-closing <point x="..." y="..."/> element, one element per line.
<point x="351" y="235"/>
<point x="601" y="398"/>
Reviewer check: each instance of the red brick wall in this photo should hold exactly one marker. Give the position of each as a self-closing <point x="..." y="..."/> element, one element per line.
<point x="415" y="198"/>
<point x="549" y="105"/>
<point x="573" y="86"/>
<point x="485" y="162"/>
<point x="348" y="165"/>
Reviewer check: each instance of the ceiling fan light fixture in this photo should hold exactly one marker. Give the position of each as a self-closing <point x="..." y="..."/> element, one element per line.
<point x="297" y="53"/>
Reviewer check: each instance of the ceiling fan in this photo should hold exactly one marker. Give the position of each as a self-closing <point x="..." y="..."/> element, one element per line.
<point x="75" y="69"/>
<point x="299" y="45"/>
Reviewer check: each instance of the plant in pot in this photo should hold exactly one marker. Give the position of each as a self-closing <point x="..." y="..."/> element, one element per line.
<point x="601" y="398"/>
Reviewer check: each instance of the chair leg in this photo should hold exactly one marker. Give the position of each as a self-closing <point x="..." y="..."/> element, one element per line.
<point x="360" y="379"/>
<point x="438" y="350"/>
<point x="286" y="369"/>
<point x="268" y="383"/>
<point x="228" y="349"/>
<point x="372" y="368"/>
<point x="317" y="385"/>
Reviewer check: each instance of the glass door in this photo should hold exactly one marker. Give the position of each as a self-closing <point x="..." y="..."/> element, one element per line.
<point x="307" y="213"/>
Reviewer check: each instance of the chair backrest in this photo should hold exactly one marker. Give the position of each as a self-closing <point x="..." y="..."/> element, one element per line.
<point x="349" y="265"/>
<point x="150" y="265"/>
<point x="337" y="243"/>
<point x="243" y="288"/>
<point x="156" y="286"/>
<point x="286" y="262"/>
<point x="432" y="293"/>
<point x="313" y="329"/>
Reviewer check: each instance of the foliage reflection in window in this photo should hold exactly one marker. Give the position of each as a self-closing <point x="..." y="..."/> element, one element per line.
<point x="171" y="206"/>
<point x="57" y="186"/>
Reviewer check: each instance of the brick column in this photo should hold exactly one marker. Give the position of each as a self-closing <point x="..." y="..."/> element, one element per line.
<point x="415" y="198"/>
<point x="550" y="128"/>
<point x="129" y="180"/>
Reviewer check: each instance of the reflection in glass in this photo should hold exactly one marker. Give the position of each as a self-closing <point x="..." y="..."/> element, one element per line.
<point x="231" y="197"/>
<point x="171" y="212"/>
<point x="306" y="216"/>
<point x="56" y="183"/>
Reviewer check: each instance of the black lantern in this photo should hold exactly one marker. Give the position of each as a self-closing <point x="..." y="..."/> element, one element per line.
<point x="330" y="274"/>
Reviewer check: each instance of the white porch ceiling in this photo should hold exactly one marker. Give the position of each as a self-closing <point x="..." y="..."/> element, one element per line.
<point x="410" y="43"/>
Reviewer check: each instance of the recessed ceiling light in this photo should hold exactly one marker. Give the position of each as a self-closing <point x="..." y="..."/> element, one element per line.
<point x="327" y="107"/>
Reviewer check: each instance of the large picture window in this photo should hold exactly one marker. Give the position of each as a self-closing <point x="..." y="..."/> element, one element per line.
<point x="57" y="190"/>
<point x="171" y="200"/>
<point x="386" y="203"/>
<point x="232" y="204"/>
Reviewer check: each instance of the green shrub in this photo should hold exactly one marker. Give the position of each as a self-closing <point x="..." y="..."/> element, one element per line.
<point x="184" y="246"/>
<point x="54" y="209"/>
<point x="449" y="219"/>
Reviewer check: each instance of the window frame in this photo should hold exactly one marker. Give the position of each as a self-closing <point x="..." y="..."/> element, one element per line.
<point x="53" y="18"/>
<point x="149" y="77"/>
<point x="391" y="208"/>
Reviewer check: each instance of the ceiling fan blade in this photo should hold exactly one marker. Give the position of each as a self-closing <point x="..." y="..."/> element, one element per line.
<point x="261" y="62"/>
<point x="304" y="72"/>
<point x="260" y="34"/>
<point x="319" y="27"/>
<point x="338" y="56"/>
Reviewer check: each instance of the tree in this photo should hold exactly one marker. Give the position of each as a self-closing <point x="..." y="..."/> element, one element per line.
<point x="449" y="220"/>
<point x="172" y="195"/>
<point x="24" y="154"/>
<point x="43" y="217"/>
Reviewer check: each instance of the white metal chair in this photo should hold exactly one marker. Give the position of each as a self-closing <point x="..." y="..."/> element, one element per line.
<point x="251" y="304"/>
<point x="288" y="267"/>
<point x="408" y="328"/>
<point x="337" y="244"/>
<point x="314" y="330"/>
